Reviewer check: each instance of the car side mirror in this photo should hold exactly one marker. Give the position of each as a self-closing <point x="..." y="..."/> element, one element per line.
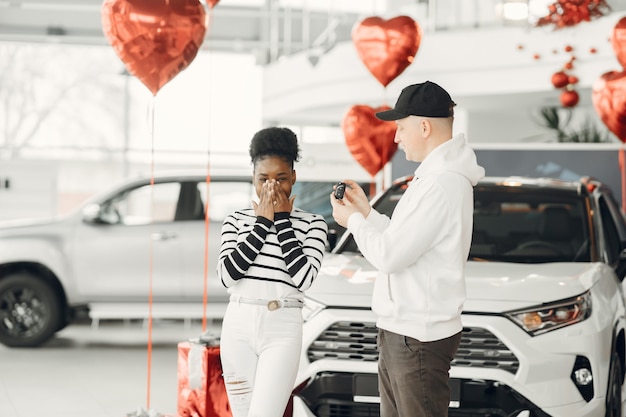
<point x="91" y="213"/>
<point x="97" y="214"/>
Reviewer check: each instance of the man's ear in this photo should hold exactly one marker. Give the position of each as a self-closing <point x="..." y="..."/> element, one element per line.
<point x="293" y="177"/>
<point x="426" y="127"/>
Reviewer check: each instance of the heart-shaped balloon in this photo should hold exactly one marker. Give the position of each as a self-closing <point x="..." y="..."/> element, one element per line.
<point x="387" y="47"/>
<point x="155" y="39"/>
<point x="608" y="95"/>
<point x="369" y="139"/>
<point x="618" y="40"/>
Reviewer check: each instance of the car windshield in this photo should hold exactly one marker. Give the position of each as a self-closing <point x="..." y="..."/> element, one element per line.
<point x="513" y="224"/>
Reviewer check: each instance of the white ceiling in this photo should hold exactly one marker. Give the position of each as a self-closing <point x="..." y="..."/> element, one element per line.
<point x="256" y="26"/>
<point x="253" y="26"/>
<point x="261" y="27"/>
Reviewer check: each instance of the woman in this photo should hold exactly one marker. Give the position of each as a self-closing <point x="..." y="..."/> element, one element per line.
<point x="269" y="255"/>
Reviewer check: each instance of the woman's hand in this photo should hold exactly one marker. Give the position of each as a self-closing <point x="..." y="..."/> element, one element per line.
<point x="267" y="202"/>
<point x="282" y="202"/>
<point x="272" y="199"/>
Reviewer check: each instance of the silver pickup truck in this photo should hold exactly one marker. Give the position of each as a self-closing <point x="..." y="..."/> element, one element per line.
<point x="120" y="247"/>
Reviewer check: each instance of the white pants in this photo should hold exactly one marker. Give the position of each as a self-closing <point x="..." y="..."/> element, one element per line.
<point x="260" y="351"/>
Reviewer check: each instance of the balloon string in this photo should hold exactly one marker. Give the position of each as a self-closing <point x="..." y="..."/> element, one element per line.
<point x="385" y="96"/>
<point x="207" y="221"/>
<point x="622" y="166"/>
<point x="386" y="144"/>
<point x="383" y="158"/>
<point x="206" y="245"/>
<point x="151" y="250"/>
<point x="383" y="177"/>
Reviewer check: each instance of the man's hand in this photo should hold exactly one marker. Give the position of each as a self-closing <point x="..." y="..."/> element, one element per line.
<point x="354" y="200"/>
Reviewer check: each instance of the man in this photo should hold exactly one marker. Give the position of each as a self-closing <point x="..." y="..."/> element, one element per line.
<point x="420" y="253"/>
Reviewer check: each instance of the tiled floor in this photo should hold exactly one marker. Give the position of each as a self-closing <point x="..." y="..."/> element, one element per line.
<point x="102" y="372"/>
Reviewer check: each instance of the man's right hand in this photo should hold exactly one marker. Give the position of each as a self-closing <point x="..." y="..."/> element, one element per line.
<point x="357" y="197"/>
<point x="354" y="200"/>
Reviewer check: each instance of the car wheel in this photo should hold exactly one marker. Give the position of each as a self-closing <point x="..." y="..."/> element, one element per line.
<point x="614" y="390"/>
<point x="30" y="311"/>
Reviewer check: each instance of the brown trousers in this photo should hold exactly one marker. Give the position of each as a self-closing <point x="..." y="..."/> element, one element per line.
<point x="413" y="375"/>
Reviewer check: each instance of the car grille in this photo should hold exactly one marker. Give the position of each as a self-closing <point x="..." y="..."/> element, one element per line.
<point x="346" y="341"/>
<point x="332" y="394"/>
<point x="373" y="410"/>
<point x="356" y="341"/>
<point x="349" y="410"/>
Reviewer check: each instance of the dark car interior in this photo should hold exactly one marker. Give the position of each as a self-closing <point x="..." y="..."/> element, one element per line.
<point x="532" y="226"/>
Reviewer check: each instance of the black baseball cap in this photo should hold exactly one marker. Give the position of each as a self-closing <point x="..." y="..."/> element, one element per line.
<point x="426" y="99"/>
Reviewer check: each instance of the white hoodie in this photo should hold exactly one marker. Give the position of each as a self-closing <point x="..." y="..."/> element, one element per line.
<point x="422" y="250"/>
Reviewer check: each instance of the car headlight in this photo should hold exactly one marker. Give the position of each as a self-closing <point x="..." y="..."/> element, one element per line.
<point x="547" y="317"/>
<point x="311" y="308"/>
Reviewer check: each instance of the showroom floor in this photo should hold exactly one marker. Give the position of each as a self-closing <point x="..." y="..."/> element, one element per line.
<point x="99" y="372"/>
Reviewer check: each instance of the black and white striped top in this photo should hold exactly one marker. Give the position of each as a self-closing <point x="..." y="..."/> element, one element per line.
<point x="263" y="259"/>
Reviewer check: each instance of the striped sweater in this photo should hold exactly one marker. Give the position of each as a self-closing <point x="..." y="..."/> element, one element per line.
<point x="263" y="259"/>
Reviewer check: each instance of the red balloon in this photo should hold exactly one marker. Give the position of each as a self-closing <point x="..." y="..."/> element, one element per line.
<point x="618" y="40"/>
<point x="369" y="139"/>
<point x="559" y="79"/>
<point x="569" y="98"/>
<point x="155" y="39"/>
<point x="608" y="95"/>
<point x="387" y="47"/>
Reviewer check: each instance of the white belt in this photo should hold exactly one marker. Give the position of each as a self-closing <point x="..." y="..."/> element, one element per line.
<point x="271" y="304"/>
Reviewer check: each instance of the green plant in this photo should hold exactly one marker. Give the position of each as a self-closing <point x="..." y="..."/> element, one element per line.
<point x="558" y="119"/>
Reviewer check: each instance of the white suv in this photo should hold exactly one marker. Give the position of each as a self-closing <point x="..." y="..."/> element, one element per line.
<point x="543" y="322"/>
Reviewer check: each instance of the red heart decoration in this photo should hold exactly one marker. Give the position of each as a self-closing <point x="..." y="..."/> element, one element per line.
<point x="369" y="139"/>
<point x="387" y="47"/>
<point x="155" y="39"/>
<point x="608" y="95"/>
<point x="559" y="79"/>
<point x="568" y="13"/>
<point x="618" y="40"/>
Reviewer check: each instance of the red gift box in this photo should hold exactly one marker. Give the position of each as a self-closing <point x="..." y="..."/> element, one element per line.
<point x="201" y="389"/>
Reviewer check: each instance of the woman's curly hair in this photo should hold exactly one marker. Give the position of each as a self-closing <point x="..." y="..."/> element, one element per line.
<point x="275" y="141"/>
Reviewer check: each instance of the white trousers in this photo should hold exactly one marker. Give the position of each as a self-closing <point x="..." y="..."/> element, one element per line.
<point x="260" y="351"/>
